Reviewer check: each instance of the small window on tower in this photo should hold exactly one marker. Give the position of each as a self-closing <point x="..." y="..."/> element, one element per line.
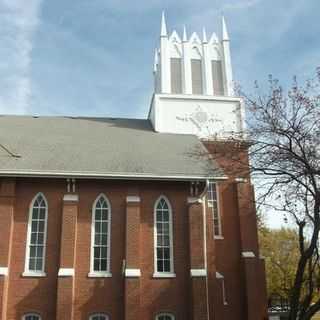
<point x="214" y="205"/>
<point x="176" y="75"/>
<point x="217" y="78"/>
<point x="196" y="71"/>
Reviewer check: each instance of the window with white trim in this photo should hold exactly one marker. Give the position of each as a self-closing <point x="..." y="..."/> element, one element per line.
<point x="100" y="236"/>
<point x="213" y="203"/>
<point x="37" y="233"/>
<point x="31" y="316"/>
<point x="99" y="316"/>
<point x="163" y="236"/>
<point x="165" y="316"/>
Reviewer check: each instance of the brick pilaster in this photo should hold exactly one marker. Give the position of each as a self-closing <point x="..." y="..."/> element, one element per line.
<point x="7" y="200"/>
<point x="65" y="294"/>
<point x="132" y="271"/>
<point x="198" y="270"/>
<point x="254" y="276"/>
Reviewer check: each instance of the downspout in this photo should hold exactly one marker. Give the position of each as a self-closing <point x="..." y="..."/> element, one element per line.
<point x="203" y="197"/>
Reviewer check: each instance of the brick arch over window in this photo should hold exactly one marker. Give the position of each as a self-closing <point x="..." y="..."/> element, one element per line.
<point x="163" y="236"/>
<point x="31" y="316"/>
<point x="100" y="236"/>
<point x="99" y="316"/>
<point x="165" y="316"/>
<point x="37" y="235"/>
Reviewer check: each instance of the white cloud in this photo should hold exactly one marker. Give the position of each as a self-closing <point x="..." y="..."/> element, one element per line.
<point x="238" y="5"/>
<point x="18" y="22"/>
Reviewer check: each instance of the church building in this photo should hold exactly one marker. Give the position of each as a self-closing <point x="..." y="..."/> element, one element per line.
<point x="125" y="219"/>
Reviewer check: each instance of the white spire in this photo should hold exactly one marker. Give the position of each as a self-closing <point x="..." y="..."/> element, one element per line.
<point x="156" y="60"/>
<point x="214" y="38"/>
<point x="225" y="35"/>
<point x="163" y="26"/>
<point x="184" y="38"/>
<point x="204" y="35"/>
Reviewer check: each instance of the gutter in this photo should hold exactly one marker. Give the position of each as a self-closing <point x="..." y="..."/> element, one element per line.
<point x="96" y="175"/>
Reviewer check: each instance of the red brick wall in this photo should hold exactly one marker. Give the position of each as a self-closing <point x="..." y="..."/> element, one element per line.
<point x="107" y="295"/>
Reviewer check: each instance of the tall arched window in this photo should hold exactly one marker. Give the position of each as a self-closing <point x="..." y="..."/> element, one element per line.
<point x="100" y="237"/>
<point x="36" y="237"/>
<point x="165" y="316"/>
<point x="163" y="241"/>
<point x="99" y="316"/>
<point x="31" y="316"/>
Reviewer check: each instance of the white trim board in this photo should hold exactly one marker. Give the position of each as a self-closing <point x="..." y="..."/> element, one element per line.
<point x="66" y="272"/>
<point x="4" y="271"/>
<point x="198" y="272"/>
<point x="132" y="273"/>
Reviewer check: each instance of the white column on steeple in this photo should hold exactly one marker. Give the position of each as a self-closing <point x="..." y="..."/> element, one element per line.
<point x="228" y="78"/>
<point x="164" y="58"/>
<point x="206" y="70"/>
<point x="186" y="66"/>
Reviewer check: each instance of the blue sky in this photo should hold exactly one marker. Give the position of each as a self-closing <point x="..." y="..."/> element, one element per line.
<point x="95" y="57"/>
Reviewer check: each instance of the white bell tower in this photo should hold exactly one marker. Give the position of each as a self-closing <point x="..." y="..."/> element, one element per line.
<point x="193" y="86"/>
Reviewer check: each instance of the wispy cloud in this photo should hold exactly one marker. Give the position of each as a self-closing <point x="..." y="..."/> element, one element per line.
<point x="18" y="22"/>
<point x="238" y="5"/>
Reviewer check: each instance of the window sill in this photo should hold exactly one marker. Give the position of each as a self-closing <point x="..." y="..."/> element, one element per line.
<point x="33" y="274"/>
<point x="219" y="237"/>
<point x="164" y="275"/>
<point x="99" y="274"/>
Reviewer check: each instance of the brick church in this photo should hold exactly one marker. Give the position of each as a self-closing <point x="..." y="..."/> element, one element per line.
<point x="113" y="219"/>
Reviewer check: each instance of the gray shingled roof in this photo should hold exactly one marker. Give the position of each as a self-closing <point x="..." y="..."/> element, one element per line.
<point x="99" y="147"/>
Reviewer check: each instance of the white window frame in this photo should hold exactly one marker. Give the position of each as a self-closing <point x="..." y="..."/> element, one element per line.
<point x="163" y="274"/>
<point x="165" y="314"/>
<point x="106" y="317"/>
<point x="93" y="273"/>
<point x="210" y="205"/>
<point x="24" y="317"/>
<point x="27" y="272"/>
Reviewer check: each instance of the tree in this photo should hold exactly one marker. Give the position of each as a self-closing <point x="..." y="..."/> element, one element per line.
<point x="281" y="251"/>
<point x="284" y="130"/>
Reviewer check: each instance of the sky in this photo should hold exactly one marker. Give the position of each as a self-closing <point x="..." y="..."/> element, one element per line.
<point x="95" y="57"/>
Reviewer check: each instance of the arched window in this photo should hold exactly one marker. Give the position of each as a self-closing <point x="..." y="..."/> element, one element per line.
<point x="36" y="237"/>
<point x="31" y="316"/>
<point x="100" y="237"/>
<point x="163" y="241"/>
<point x="165" y="316"/>
<point x="99" y="316"/>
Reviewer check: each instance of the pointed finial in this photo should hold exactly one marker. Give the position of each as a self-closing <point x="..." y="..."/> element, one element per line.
<point x="155" y="60"/>
<point x="204" y="35"/>
<point x="163" y="26"/>
<point x="214" y="38"/>
<point x="184" y="38"/>
<point x="225" y="35"/>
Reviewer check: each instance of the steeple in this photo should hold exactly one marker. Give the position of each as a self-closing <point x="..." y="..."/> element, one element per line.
<point x="184" y="38"/>
<point x="204" y="35"/>
<point x="193" y="84"/>
<point x="163" y="26"/>
<point x="155" y="65"/>
<point x="196" y="65"/>
<point x="225" y="35"/>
